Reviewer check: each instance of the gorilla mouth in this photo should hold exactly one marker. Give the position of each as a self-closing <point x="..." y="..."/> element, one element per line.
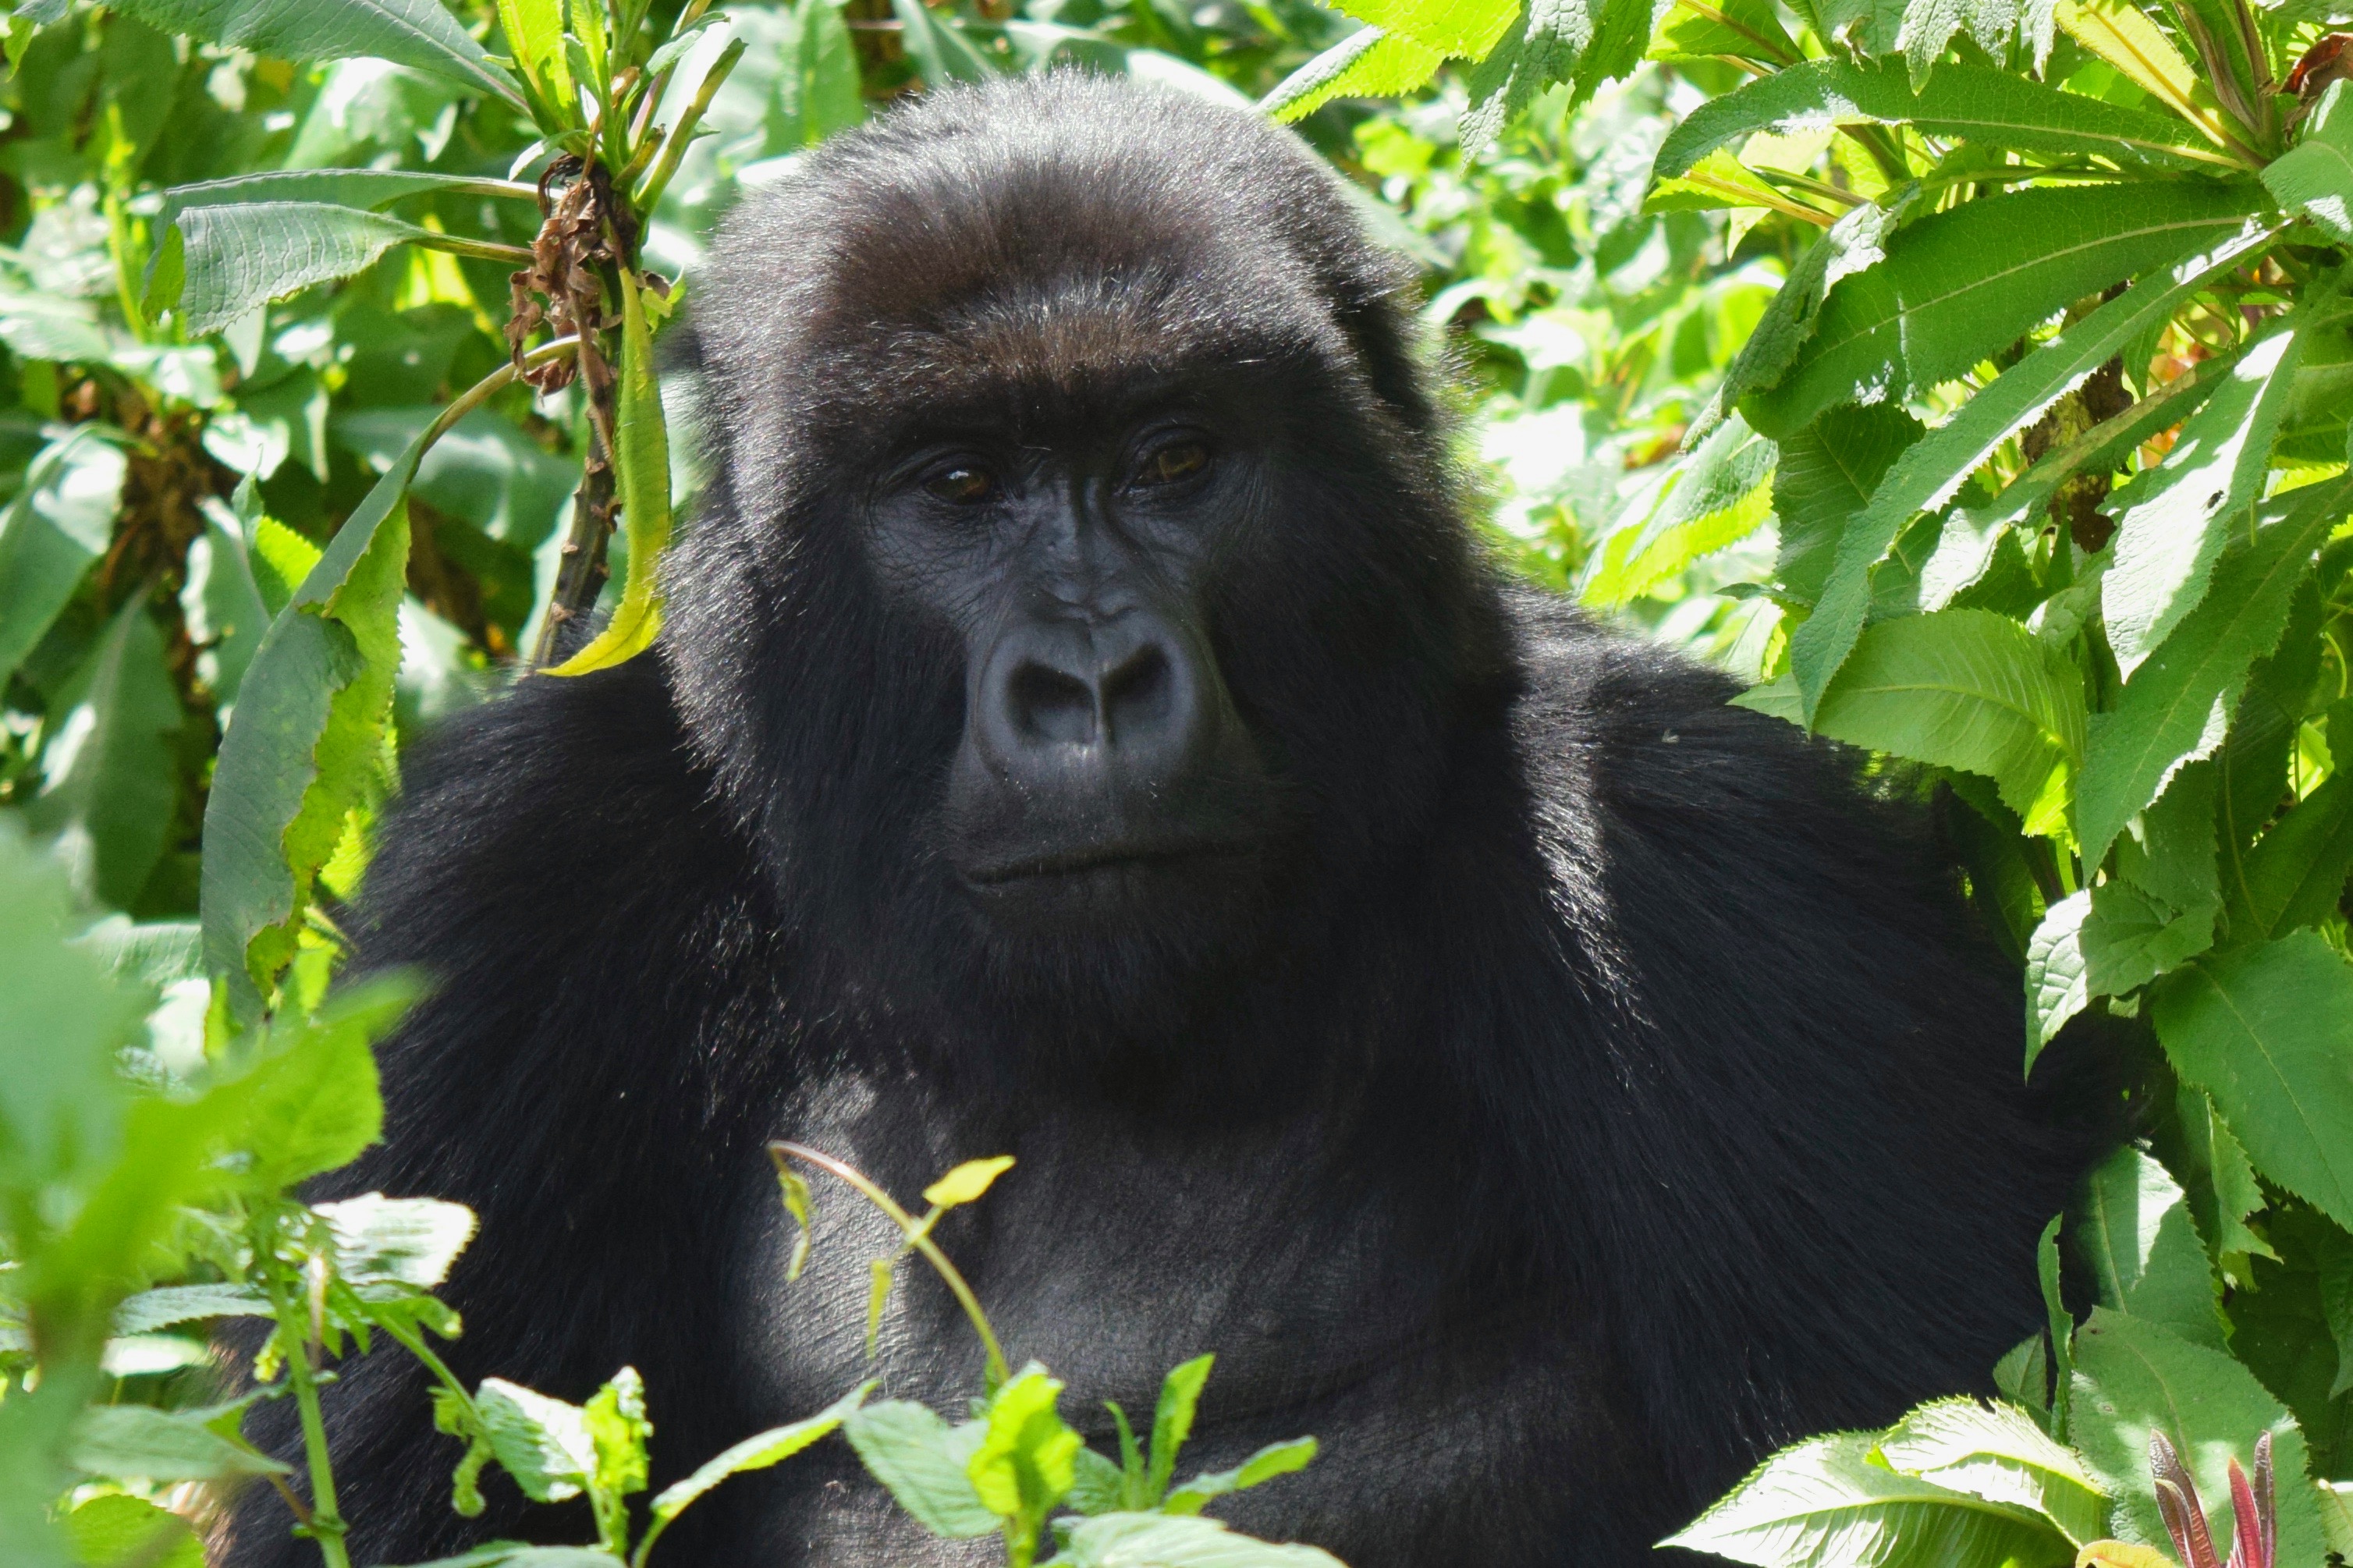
<point x="1100" y="858"/>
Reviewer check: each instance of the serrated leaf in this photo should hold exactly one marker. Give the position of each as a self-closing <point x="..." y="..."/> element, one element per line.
<point x="2135" y="1377"/>
<point x="2267" y="1032"/>
<point x="1929" y="25"/>
<point x="1826" y="475"/>
<point x="757" y="1452"/>
<point x="1960" y="285"/>
<point x="1167" y="1540"/>
<point x="2170" y="854"/>
<point x="172" y="1305"/>
<point x="967" y="1182"/>
<point x="2296" y="874"/>
<point x="641" y="463"/>
<point x="59" y="521"/>
<point x="543" y="1443"/>
<point x="2172" y="521"/>
<point x="1028" y="1455"/>
<point x="2123" y="34"/>
<point x="1368" y="64"/>
<point x="1962" y="689"/>
<point x="304" y="741"/>
<point x="417" y="33"/>
<point x="1823" y="1503"/>
<point x="1461" y="29"/>
<point x="2176" y="707"/>
<point x="1976" y="103"/>
<point x="312" y="1102"/>
<point x="1929" y="473"/>
<point x="1715" y="495"/>
<point x="2103" y="941"/>
<point x="109" y="767"/>
<point x="2219" y="1181"/>
<point x="922" y="1460"/>
<point x="1582" y="42"/>
<point x="534" y="30"/>
<point x="2131" y="1225"/>
<point x="365" y="189"/>
<point x="238" y="258"/>
<point x="2000" y="1454"/>
<point x="137" y="1440"/>
<point x="2314" y="177"/>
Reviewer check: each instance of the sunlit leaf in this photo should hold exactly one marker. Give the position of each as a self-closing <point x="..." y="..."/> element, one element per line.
<point x="419" y="33"/>
<point x="109" y="774"/>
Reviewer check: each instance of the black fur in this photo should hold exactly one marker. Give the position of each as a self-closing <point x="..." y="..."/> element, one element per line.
<point x="1589" y="1089"/>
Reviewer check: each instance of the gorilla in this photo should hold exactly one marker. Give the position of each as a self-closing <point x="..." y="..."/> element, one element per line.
<point x="1088" y="729"/>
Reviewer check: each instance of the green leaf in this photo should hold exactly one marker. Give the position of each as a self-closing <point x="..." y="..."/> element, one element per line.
<point x="1366" y="64"/>
<point x="1928" y="473"/>
<point x="1826" y="475"/>
<point x="306" y="736"/>
<point x="2267" y="1031"/>
<point x="1097" y="1486"/>
<point x="59" y="521"/>
<point x="534" y="30"/>
<point x="1962" y="689"/>
<point x="222" y="604"/>
<point x="172" y="1305"/>
<point x="2203" y="1151"/>
<point x="2062" y="1328"/>
<point x="399" y="1241"/>
<point x="1274" y="1459"/>
<point x="1853" y="244"/>
<point x="2023" y="1376"/>
<point x="2167" y="851"/>
<point x="757" y="1452"/>
<point x="115" y="1530"/>
<point x="2125" y="37"/>
<point x="312" y="1103"/>
<point x="416" y="33"/>
<point x="1028" y="1455"/>
<point x="1959" y="285"/>
<point x="240" y="258"/>
<point x="1583" y="42"/>
<point x="641" y="458"/>
<point x="941" y="52"/>
<point x="2296" y="874"/>
<point x="1747" y="28"/>
<point x="2000" y="1454"/>
<point x="1715" y="497"/>
<point x="2132" y="1228"/>
<point x="817" y="92"/>
<point x="1172" y="1420"/>
<point x="2176" y="708"/>
<point x="2173" y="520"/>
<point x="2314" y="177"/>
<point x="2135" y="1377"/>
<point x="1460" y="29"/>
<point x="110" y="776"/>
<point x="366" y="190"/>
<point x="1824" y="1504"/>
<point x="152" y="1445"/>
<point x="515" y="1554"/>
<point x="967" y="1182"/>
<point x="922" y="1460"/>
<point x="1965" y="102"/>
<point x="1165" y="1541"/>
<point x="2336" y="1500"/>
<point x="615" y="1420"/>
<point x="543" y="1443"/>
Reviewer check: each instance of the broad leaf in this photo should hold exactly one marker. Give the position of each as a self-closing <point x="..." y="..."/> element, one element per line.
<point x="940" y="51"/>
<point x="2219" y="1178"/>
<point x="1366" y="64"/>
<point x="2135" y="1377"/>
<point x="757" y="1452"/>
<point x="175" y="1304"/>
<point x="2122" y="33"/>
<point x="59" y="521"/>
<point x="367" y="189"/>
<point x="312" y="1103"/>
<point x="161" y="1446"/>
<point x="2314" y="177"/>
<point x="1929" y="25"/>
<point x="2173" y="520"/>
<point x="2296" y="874"/>
<point x="2102" y="942"/>
<point x="543" y="1443"/>
<point x="1962" y="689"/>
<point x="1582" y="42"/>
<point x="2267" y="1031"/>
<point x="222" y="602"/>
<point x="1958" y="286"/>
<point x="1824" y="1504"/>
<point x="1460" y="29"/>
<point x="1274" y="1459"/>
<point x="2178" y="704"/>
<point x="401" y="1241"/>
<point x="417" y="33"/>
<point x="1826" y="475"/>
<point x="1172" y="1418"/>
<point x="1167" y="1540"/>
<point x="1965" y="102"/>
<point x="110" y="772"/>
<point x="1931" y="471"/>
<point x="922" y="1460"/>
<point x="1715" y="497"/>
<point x="1998" y="1453"/>
<point x="241" y="257"/>
<point x="534" y="30"/>
<point x="2132" y="1227"/>
<point x="308" y="731"/>
<point x="641" y="461"/>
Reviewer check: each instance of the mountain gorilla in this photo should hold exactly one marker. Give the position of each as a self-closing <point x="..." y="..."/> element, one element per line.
<point x="1087" y="728"/>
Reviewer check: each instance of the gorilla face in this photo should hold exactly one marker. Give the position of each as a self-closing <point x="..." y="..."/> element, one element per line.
<point x="1104" y="778"/>
<point x="1082" y="613"/>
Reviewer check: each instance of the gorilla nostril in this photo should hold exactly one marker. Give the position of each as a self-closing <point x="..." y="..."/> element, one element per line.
<point x="1140" y="696"/>
<point x="1048" y="705"/>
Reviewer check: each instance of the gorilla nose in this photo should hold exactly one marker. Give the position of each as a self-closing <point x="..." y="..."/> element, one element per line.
<point x="1122" y="696"/>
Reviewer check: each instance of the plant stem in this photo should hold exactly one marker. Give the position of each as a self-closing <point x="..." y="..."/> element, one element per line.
<point x="917" y="1233"/>
<point x="674" y="148"/>
<point x="581" y="575"/>
<point x="326" y="1520"/>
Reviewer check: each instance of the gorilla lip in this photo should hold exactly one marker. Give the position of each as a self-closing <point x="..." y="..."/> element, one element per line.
<point x="1104" y="858"/>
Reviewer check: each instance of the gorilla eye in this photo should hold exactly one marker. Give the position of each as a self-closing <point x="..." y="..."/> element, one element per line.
<point x="962" y="484"/>
<point x="1177" y="460"/>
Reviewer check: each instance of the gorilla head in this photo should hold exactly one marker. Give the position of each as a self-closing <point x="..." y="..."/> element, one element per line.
<point x="1084" y="603"/>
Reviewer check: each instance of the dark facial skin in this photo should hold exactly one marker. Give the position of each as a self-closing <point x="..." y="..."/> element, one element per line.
<point x="1102" y="767"/>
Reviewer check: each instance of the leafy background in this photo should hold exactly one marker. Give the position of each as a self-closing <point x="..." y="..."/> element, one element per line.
<point x="1969" y="380"/>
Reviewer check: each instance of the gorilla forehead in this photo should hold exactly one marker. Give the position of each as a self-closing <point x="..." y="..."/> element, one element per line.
<point x="1033" y="246"/>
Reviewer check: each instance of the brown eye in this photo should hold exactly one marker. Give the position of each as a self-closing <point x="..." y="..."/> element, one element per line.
<point x="963" y="485"/>
<point x="1177" y="460"/>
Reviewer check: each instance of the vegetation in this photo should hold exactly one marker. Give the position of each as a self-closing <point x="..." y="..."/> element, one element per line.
<point x="1970" y="380"/>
